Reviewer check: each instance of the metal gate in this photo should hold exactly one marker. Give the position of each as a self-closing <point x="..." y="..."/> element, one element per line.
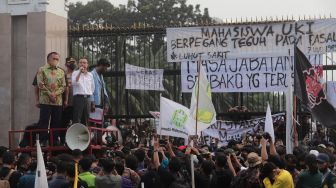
<point x="146" y="47"/>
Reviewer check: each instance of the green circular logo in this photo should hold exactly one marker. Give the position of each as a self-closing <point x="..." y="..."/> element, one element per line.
<point x="179" y="118"/>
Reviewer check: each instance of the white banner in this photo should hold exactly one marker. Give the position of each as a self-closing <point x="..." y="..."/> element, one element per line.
<point x="229" y="130"/>
<point x="250" y="40"/>
<point x="266" y="74"/>
<point x="331" y="93"/>
<point x="140" y="78"/>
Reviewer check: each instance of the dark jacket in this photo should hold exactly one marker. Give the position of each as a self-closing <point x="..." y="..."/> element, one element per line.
<point x="108" y="181"/>
<point x="329" y="181"/>
<point x="221" y="178"/>
<point x="57" y="182"/>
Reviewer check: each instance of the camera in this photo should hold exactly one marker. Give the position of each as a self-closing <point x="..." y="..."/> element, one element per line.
<point x="162" y="143"/>
<point x="110" y="141"/>
<point x="266" y="135"/>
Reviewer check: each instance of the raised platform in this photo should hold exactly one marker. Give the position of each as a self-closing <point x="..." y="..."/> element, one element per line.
<point x="51" y="147"/>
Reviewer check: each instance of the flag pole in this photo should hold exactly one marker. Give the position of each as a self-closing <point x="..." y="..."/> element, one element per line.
<point x="160" y="115"/>
<point x="289" y="110"/>
<point x="296" y="141"/>
<point x="198" y="81"/>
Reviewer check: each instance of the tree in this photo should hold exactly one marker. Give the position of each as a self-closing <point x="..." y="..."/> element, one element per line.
<point x="149" y="12"/>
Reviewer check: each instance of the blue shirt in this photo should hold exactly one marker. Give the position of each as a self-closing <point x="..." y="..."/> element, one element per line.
<point x="28" y="180"/>
<point x="99" y="88"/>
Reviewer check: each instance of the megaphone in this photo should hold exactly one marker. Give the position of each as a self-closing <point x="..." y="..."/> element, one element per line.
<point x="78" y="137"/>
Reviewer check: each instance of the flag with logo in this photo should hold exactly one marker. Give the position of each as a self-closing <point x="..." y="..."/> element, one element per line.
<point x="308" y="87"/>
<point x="269" y="123"/>
<point x="41" y="180"/>
<point x="173" y="119"/>
<point x="206" y="113"/>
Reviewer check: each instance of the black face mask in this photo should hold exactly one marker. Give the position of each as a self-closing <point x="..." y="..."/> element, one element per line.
<point x="71" y="66"/>
<point x="290" y="168"/>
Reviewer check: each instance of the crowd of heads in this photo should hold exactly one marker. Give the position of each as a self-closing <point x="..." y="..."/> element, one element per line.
<point x="167" y="162"/>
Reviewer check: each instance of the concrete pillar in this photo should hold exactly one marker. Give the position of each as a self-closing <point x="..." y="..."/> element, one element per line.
<point x="29" y="30"/>
<point x="6" y="92"/>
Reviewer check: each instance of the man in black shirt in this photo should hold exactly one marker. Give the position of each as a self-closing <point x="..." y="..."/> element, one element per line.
<point x="221" y="177"/>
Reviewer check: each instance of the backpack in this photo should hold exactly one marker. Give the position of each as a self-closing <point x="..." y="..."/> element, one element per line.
<point x="128" y="181"/>
<point x="247" y="179"/>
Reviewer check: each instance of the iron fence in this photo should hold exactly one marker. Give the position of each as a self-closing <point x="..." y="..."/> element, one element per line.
<point x="146" y="47"/>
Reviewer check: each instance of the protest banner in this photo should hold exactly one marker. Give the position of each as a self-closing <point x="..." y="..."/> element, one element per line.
<point x="265" y="74"/>
<point x="250" y="40"/>
<point x="225" y="130"/>
<point x="230" y="130"/>
<point x="331" y="93"/>
<point x="140" y="78"/>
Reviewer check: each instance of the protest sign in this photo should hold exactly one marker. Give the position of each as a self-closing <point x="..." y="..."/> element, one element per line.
<point x="265" y="74"/>
<point x="140" y="78"/>
<point x="250" y="40"/>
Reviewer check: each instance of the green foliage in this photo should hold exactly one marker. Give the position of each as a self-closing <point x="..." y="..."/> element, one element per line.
<point x="151" y="12"/>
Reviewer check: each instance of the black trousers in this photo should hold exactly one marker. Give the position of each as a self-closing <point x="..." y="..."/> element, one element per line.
<point x="53" y="114"/>
<point x="81" y="109"/>
<point x="66" y="121"/>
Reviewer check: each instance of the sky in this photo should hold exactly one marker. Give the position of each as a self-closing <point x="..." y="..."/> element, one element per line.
<point x="232" y="9"/>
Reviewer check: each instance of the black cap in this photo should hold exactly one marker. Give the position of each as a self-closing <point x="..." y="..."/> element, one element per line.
<point x="104" y="62"/>
<point x="323" y="158"/>
<point x="70" y="60"/>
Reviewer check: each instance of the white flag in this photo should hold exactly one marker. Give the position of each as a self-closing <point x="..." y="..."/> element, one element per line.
<point x="41" y="174"/>
<point x="206" y="110"/>
<point x="269" y="123"/>
<point x="173" y="119"/>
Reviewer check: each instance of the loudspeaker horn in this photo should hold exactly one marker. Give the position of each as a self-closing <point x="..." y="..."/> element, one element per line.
<point x="78" y="137"/>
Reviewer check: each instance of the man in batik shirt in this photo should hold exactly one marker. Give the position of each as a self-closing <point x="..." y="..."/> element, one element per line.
<point x="51" y="83"/>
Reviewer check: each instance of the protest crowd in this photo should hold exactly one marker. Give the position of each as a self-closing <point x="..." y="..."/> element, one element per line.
<point x="256" y="162"/>
<point x="146" y="159"/>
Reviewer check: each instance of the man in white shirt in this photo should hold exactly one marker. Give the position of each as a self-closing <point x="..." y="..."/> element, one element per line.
<point x="83" y="87"/>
